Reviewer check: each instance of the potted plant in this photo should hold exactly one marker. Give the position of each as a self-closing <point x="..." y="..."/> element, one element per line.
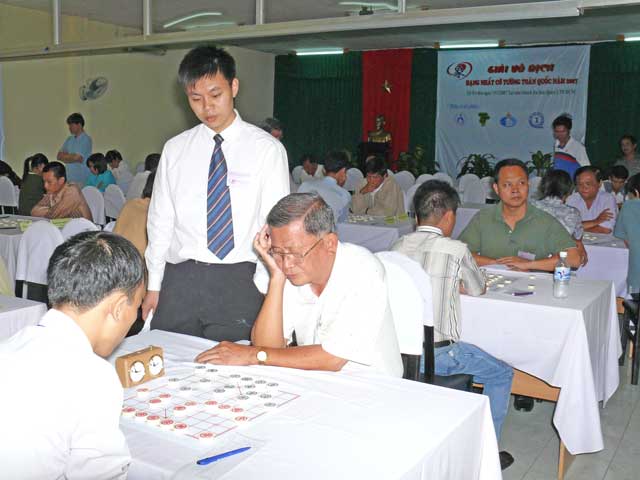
<point x="417" y="162"/>
<point x="540" y="163"/>
<point x="480" y="164"/>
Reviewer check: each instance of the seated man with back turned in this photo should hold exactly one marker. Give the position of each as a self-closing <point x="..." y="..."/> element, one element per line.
<point x="379" y="193"/>
<point x="330" y="187"/>
<point x="513" y="232"/>
<point x="62" y="200"/>
<point x="453" y="270"/>
<point x="597" y="207"/>
<point x="332" y="295"/>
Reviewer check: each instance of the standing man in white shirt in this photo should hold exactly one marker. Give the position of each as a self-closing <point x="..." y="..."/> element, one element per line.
<point x="568" y="153"/>
<point x="330" y="187"/>
<point x="62" y="401"/>
<point x="213" y="190"/>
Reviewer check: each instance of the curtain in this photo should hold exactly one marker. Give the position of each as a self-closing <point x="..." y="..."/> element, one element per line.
<point x="424" y="90"/>
<point x="319" y="102"/>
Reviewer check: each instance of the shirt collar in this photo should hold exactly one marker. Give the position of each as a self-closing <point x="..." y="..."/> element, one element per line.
<point x="330" y="180"/>
<point x="429" y="229"/>
<point x="530" y="213"/>
<point x="230" y="133"/>
<point x="56" y="319"/>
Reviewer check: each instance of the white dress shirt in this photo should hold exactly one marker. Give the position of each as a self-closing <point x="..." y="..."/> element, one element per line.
<point x="575" y="149"/>
<point x="351" y="318"/>
<point x="603" y="200"/>
<point x="61" y="406"/>
<point x="305" y="177"/>
<point x="258" y="176"/>
<point x="332" y="193"/>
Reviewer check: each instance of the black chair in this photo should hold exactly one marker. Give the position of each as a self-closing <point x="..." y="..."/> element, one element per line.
<point x="629" y="331"/>
<point x="35" y="291"/>
<point x="461" y="381"/>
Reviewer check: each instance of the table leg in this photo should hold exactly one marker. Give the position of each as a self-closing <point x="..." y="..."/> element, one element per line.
<point x="564" y="460"/>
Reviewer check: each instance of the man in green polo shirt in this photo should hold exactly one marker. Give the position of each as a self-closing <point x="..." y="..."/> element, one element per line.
<point x="514" y="233"/>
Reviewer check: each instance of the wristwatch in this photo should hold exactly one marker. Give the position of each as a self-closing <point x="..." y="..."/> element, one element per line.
<point x="262" y="357"/>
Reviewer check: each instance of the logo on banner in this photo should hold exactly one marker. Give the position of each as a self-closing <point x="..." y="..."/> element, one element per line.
<point x="536" y="120"/>
<point x="460" y="70"/>
<point x="483" y="118"/>
<point x="508" y="121"/>
<point x="460" y="119"/>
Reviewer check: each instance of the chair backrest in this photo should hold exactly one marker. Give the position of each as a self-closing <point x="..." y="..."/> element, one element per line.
<point x="409" y="289"/>
<point x="296" y="173"/>
<point x="474" y="191"/>
<point x="95" y="200"/>
<point x="464" y="180"/>
<point x="390" y="172"/>
<point x="534" y="183"/>
<point x="140" y="167"/>
<point x="405" y="179"/>
<point x="78" y="225"/>
<point x="424" y="178"/>
<point x="113" y="201"/>
<point x="8" y="197"/>
<point x="487" y="186"/>
<point x="109" y="226"/>
<point x="409" y="197"/>
<point x="443" y="177"/>
<point x="354" y="177"/>
<point x="34" y="251"/>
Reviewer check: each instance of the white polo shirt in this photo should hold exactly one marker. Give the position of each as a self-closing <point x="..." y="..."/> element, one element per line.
<point x="351" y="318"/>
<point x="61" y="406"/>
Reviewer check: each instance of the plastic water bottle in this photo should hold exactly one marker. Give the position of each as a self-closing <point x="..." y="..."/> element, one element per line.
<point x="561" y="277"/>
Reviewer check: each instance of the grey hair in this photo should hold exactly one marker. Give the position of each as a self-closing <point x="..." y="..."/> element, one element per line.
<point x="317" y="215"/>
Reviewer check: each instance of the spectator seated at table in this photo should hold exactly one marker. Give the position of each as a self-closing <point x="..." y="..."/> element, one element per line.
<point x="101" y="177"/>
<point x="65" y="400"/>
<point x="32" y="189"/>
<point x="597" y="208"/>
<point x="310" y="168"/>
<point x="378" y="194"/>
<point x="120" y="169"/>
<point x="330" y="187"/>
<point x="7" y="171"/>
<point x="132" y="221"/>
<point x="514" y="233"/>
<point x="555" y="187"/>
<point x="140" y="180"/>
<point x="628" y="228"/>
<point x="630" y="158"/>
<point x="618" y="175"/>
<point x="453" y="270"/>
<point x="62" y="200"/>
<point x="332" y="295"/>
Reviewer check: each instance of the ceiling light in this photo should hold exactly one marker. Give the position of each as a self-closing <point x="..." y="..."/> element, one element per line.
<point x="317" y="51"/>
<point x="208" y="25"/>
<point x="371" y="5"/>
<point x="470" y="45"/>
<point x="191" y="17"/>
<point x="631" y="39"/>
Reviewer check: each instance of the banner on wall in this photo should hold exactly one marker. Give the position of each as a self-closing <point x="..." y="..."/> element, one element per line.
<point x="502" y="102"/>
<point x="1" y="119"/>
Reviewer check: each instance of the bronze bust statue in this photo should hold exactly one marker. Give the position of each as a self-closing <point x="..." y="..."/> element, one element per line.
<point x="379" y="135"/>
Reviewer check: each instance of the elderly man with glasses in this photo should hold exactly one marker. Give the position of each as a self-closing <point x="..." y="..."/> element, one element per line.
<point x="331" y="295"/>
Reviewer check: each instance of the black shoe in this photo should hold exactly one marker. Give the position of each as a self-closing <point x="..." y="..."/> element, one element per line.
<point x="523" y="403"/>
<point x="506" y="460"/>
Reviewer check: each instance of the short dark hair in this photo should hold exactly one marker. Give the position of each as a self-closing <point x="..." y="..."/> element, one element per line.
<point x="271" y="123"/>
<point x="90" y="266"/>
<point x="562" y="121"/>
<point x="152" y="161"/>
<point x="375" y="165"/>
<point x="317" y="215"/>
<point x="335" y="161"/>
<point x="75" y="118"/>
<point x="555" y="183"/>
<point x="57" y="168"/>
<point x="308" y="156"/>
<point x="148" y="186"/>
<point x="633" y="184"/>
<point x="508" y="162"/>
<point x="619" y="171"/>
<point x="112" y="155"/>
<point x="205" y="61"/>
<point x="629" y="137"/>
<point x="587" y="169"/>
<point x="433" y="199"/>
<point x="99" y="162"/>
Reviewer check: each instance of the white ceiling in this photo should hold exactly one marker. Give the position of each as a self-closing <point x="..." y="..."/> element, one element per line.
<point x="602" y="24"/>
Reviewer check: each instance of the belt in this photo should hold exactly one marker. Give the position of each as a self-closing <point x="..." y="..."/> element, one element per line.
<point x="443" y="343"/>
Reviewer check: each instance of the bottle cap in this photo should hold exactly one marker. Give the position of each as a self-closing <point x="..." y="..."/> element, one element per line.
<point x="563" y="254"/>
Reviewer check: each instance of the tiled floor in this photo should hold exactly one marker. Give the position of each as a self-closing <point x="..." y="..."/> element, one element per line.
<point x="531" y="439"/>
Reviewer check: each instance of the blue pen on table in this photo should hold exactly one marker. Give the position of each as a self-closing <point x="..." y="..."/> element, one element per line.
<point x="220" y="456"/>
<point x="521" y="294"/>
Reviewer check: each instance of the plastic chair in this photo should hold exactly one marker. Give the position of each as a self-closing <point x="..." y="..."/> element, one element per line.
<point x="405" y="179"/>
<point x="109" y="226"/>
<point x="409" y="197"/>
<point x="474" y="191"/>
<point x="8" y="197"/>
<point x="140" y="167"/>
<point x="443" y="177"/>
<point x="78" y="225"/>
<point x="34" y="251"/>
<point x="534" y="184"/>
<point x="95" y="200"/>
<point x="113" y="201"/>
<point x="464" y="180"/>
<point x="390" y="172"/>
<point x="424" y="178"/>
<point x="487" y="186"/>
<point x="296" y="173"/>
<point x="629" y="331"/>
<point x="137" y="185"/>
<point x="354" y="178"/>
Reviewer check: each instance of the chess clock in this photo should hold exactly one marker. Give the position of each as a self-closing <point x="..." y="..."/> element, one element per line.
<point x="141" y="366"/>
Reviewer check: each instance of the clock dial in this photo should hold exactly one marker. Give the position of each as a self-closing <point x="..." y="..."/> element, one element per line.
<point x="155" y="365"/>
<point x="136" y="371"/>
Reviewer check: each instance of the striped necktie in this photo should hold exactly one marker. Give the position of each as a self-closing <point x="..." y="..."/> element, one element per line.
<point x="219" y="215"/>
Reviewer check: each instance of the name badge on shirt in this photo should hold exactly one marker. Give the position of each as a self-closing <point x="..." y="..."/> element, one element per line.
<point x="526" y="255"/>
<point x="238" y="178"/>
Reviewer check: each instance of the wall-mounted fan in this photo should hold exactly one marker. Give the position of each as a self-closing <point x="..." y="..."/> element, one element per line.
<point x="94" y="88"/>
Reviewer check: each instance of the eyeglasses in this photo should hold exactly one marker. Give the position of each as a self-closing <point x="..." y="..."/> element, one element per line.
<point x="295" y="258"/>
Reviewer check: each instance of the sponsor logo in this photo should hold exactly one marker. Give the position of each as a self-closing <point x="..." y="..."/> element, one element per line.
<point x="536" y="120"/>
<point x="459" y="119"/>
<point x="483" y="118"/>
<point x="460" y="70"/>
<point x="508" y="121"/>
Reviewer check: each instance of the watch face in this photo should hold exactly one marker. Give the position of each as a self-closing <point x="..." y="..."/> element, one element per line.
<point x="155" y="365"/>
<point x="136" y="371"/>
<point x="262" y="356"/>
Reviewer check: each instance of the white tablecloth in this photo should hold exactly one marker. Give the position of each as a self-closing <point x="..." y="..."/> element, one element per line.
<point x="9" y="242"/>
<point x="344" y="425"/>
<point x="571" y="343"/>
<point x="377" y="237"/>
<point x="17" y="313"/>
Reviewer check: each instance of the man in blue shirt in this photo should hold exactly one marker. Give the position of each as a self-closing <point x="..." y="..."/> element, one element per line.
<point x="75" y="150"/>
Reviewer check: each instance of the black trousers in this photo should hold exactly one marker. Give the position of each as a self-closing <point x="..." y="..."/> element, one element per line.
<point x="214" y="301"/>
